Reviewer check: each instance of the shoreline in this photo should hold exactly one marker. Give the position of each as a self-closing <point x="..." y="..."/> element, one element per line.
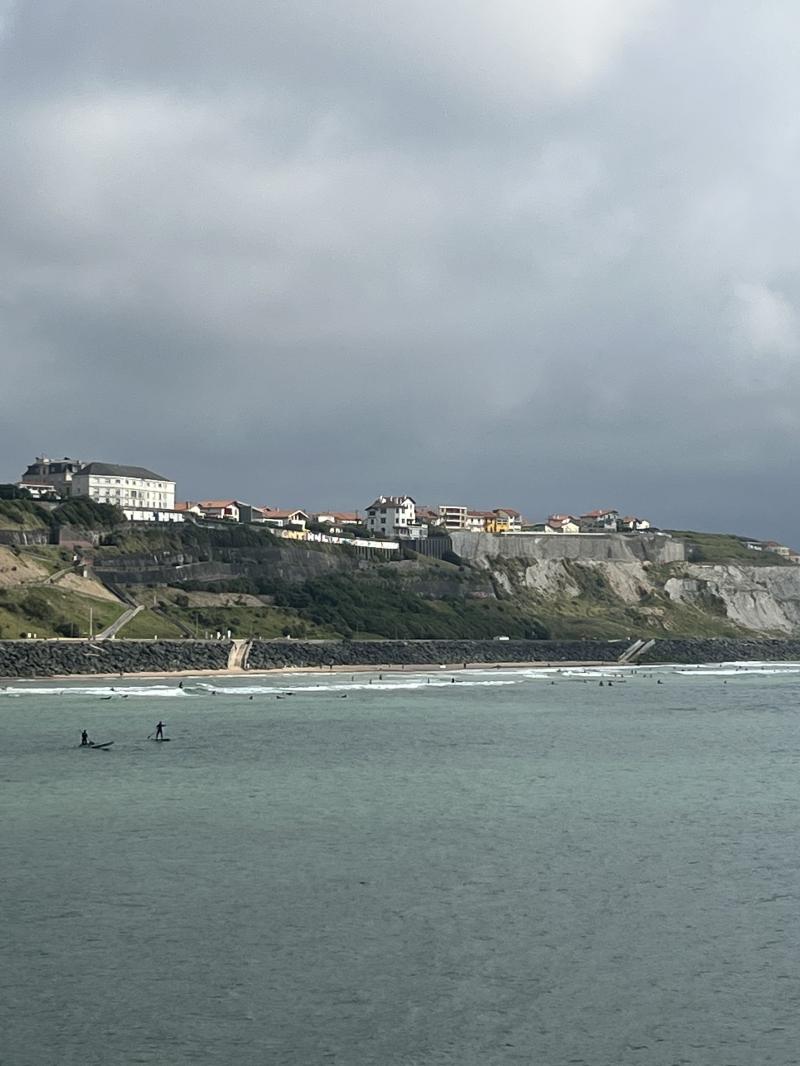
<point x="325" y="671"/>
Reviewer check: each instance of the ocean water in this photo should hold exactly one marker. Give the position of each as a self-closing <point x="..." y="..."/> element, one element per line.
<point x="507" y="867"/>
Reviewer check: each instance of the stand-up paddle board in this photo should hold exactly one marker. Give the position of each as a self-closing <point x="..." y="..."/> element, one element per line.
<point x="160" y="740"/>
<point x="96" y="747"/>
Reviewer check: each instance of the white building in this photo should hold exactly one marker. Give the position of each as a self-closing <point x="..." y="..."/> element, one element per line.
<point x="453" y="516"/>
<point x="224" y="509"/>
<point x="281" y="518"/>
<point x="391" y="515"/>
<point x="561" y="523"/>
<point x="129" y="487"/>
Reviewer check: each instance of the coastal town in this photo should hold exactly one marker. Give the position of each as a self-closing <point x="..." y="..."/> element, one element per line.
<point x="384" y="523"/>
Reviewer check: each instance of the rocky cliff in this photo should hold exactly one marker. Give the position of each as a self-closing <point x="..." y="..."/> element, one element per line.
<point x="477" y="548"/>
<point x="568" y="588"/>
<point x="676" y="597"/>
<point x="761" y="598"/>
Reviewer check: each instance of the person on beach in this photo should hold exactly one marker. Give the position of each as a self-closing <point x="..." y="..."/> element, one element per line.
<point x="160" y="731"/>
<point x="84" y="739"/>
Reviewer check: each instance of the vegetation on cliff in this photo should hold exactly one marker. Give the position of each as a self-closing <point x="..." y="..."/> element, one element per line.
<point x="19" y="514"/>
<point x="53" y="612"/>
<point x="725" y="549"/>
<point x="202" y="579"/>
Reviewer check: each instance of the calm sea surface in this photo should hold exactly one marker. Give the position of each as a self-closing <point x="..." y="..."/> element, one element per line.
<point x="496" y="870"/>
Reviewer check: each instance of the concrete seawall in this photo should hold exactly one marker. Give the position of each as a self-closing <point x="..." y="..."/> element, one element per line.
<point x="480" y="548"/>
<point x="47" y="658"/>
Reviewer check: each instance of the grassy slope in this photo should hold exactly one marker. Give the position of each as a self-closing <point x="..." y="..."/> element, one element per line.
<point x="243" y="620"/>
<point x="42" y="609"/>
<point x="21" y="514"/>
<point x="723" y="548"/>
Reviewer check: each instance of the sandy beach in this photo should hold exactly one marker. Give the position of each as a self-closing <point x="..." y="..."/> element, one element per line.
<point x="385" y="669"/>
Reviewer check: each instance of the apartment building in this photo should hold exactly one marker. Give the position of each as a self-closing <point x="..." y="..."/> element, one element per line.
<point x="391" y="515"/>
<point x="130" y="487"/>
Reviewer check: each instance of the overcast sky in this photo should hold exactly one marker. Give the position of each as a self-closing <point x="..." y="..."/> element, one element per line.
<point x="518" y="252"/>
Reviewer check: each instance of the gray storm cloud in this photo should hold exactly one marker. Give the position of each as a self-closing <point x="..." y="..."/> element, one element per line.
<point x="517" y="253"/>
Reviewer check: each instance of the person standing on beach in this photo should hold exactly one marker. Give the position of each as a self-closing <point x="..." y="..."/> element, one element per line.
<point x="160" y="731"/>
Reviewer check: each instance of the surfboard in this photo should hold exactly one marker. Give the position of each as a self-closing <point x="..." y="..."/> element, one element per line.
<point x="105" y="744"/>
<point x="160" y="740"/>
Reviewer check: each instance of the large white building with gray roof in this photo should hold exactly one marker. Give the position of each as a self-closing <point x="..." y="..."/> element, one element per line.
<point x="130" y="487"/>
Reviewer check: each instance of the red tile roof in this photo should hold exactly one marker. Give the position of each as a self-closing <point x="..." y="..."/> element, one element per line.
<point x="270" y="512"/>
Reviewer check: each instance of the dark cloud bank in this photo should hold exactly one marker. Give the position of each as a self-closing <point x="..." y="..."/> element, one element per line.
<point x="521" y="253"/>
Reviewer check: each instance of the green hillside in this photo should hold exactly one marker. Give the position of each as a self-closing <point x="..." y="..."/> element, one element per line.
<point x="267" y="587"/>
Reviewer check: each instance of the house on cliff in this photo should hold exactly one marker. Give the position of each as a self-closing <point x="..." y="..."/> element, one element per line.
<point x="630" y="524"/>
<point x="506" y="520"/>
<point x="602" y="521"/>
<point x="561" y="523"/>
<point x="55" y="474"/>
<point x="391" y="515"/>
<point x="336" y="520"/>
<point x="227" y="510"/>
<point x="281" y="519"/>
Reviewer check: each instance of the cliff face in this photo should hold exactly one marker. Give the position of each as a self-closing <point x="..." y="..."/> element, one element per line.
<point x="285" y="561"/>
<point x="590" y="587"/>
<point x="761" y="598"/>
<point x="671" y="596"/>
<point x="633" y="583"/>
<point x="643" y="547"/>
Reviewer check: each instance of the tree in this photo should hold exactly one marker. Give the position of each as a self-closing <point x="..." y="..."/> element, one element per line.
<point x="11" y="492"/>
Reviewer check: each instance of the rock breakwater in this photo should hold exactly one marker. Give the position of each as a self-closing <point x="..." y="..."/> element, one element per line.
<point x="47" y="658"/>
<point x="275" y="654"/>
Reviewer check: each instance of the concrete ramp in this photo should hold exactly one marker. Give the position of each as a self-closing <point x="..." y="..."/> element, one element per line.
<point x="111" y="631"/>
<point x="645" y="647"/>
<point x="639" y="647"/>
<point x="240" y="650"/>
<point x="628" y="654"/>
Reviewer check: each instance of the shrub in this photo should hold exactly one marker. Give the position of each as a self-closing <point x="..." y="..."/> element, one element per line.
<point x="87" y="514"/>
<point x="11" y="492"/>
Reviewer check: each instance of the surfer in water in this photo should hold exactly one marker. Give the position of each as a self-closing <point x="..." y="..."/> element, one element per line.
<point x="84" y="739"/>
<point x="160" y="731"/>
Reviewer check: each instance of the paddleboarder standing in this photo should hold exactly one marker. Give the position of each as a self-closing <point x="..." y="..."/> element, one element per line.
<point x="84" y="739"/>
<point x="160" y="731"/>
